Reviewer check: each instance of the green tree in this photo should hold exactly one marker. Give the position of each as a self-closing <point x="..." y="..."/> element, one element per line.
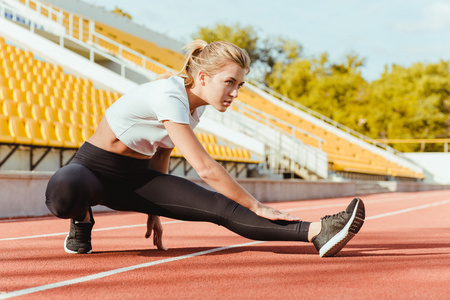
<point x="264" y="53"/>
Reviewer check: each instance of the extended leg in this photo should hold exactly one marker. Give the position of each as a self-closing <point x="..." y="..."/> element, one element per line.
<point x="182" y="199"/>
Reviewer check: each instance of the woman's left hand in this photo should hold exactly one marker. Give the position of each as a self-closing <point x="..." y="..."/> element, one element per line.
<point x="154" y="224"/>
<point x="273" y="213"/>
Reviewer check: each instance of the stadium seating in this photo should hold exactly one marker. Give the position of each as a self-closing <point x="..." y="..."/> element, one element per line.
<point x="50" y="108"/>
<point x="343" y="155"/>
<point x="48" y="82"/>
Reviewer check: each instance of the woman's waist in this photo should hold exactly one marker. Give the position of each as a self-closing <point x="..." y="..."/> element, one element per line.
<point x="110" y="163"/>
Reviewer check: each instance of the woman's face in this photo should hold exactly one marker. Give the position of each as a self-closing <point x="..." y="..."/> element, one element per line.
<point x="220" y="89"/>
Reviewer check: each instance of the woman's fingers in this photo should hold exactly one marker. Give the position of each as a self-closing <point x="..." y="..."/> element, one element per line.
<point x="275" y="214"/>
<point x="154" y="224"/>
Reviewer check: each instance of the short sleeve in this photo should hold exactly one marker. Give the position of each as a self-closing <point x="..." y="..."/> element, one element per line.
<point x="172" y="106"/>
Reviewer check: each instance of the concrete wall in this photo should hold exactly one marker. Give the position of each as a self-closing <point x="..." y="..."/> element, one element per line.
<point x="23" y="193"/>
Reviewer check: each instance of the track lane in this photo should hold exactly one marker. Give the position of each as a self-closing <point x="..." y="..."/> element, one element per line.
<point x="200" y="233"/>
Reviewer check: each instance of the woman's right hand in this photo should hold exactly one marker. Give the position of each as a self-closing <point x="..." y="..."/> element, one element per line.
<point x="273" y="214"/>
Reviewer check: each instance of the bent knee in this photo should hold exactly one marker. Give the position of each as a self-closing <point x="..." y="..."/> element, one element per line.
<point x="69" y="192"/>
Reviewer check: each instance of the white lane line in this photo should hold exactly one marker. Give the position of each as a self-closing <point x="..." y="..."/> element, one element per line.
<point x="117" y="271"/>
<point x="99" y="229"/>
<point x="178" y="221"/>
<point x="153" y="263"/>
<point x="408" y="209"/>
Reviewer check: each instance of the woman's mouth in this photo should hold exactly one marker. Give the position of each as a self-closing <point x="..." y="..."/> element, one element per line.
<point x="228" y="102"/>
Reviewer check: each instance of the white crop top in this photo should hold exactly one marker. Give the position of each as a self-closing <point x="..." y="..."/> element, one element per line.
<point x="137" y="117"/>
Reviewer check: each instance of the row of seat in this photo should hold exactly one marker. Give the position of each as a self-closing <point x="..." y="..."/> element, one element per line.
<point x="15" y="130"/>
<point x="79" y="27"/>
<point x="221" y="152"/>
<point x="56" y="109"/>
<point x="342" y="154"/>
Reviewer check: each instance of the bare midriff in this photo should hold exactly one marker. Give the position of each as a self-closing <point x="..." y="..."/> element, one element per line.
<point x="105" y="139"/>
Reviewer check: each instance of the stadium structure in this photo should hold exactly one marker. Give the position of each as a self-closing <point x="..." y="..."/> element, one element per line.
<point x="64" y="62"/>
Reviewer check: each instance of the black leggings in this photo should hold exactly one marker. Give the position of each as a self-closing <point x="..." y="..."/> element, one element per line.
<point x="96" y="176"/>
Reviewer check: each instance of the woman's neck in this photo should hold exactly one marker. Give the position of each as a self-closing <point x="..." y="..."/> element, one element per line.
<point x="194" y="98"/>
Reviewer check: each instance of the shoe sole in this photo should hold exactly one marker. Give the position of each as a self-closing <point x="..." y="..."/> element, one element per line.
<point x="71" y="251"/>
<point x="337" y="242"/>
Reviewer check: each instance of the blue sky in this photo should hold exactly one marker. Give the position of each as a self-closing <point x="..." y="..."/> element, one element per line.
<point x="383" y="32"/>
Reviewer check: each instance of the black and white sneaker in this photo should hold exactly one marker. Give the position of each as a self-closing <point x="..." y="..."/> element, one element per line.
<point x="338" y="229"/>
<point x="78" y="241"/>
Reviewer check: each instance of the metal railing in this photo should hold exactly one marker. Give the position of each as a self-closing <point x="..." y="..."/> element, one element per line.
<point x="327" y="120"/>
<point x="280" y="145"/>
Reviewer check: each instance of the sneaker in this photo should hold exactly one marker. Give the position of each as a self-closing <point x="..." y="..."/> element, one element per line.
<point x="339" y="229"/>
<point x="78" y="241"/>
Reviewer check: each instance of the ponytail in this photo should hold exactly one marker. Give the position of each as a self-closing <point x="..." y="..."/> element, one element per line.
<point x="210" y="58"/>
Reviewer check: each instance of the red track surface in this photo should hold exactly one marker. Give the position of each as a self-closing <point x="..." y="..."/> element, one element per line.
<point x="401" y="252"/>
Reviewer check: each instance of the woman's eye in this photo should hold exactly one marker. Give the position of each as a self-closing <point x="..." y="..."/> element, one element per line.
<point x="229" y="83"/>
<point x="239" y="86"/>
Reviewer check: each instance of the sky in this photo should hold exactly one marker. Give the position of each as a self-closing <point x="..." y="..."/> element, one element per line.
<point x="382" y="32"/>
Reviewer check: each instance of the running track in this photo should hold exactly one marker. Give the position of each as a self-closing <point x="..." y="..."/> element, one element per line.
<point x="401" y="252"/>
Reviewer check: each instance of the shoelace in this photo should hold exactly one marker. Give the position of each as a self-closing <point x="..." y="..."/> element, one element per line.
<point x="83" y="232"/>
<point x="339" y="214"/>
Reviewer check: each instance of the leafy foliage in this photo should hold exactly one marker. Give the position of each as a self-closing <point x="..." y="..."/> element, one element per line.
<point x="405" y="102"/>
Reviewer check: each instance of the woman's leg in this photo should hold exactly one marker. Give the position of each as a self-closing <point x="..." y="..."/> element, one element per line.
<point x="178" y="198"/>
<point x="72" y="190"/>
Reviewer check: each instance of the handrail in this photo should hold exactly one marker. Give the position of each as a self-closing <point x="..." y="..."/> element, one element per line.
<point x="284" y="145"/>
<point x="256" y="113"/>
<point x="327" y="120"/>
<point x="123" y="48"/>
<point x="50" y="9"/>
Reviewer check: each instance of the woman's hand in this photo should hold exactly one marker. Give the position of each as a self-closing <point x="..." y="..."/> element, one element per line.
<point x="273" y="214"/>
<point x="154" y="224"/>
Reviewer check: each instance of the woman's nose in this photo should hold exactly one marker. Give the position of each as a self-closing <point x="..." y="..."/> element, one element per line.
<point x="234" y="93"/>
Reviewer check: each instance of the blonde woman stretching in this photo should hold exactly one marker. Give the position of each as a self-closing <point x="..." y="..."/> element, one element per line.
<point x="124" y="164"/>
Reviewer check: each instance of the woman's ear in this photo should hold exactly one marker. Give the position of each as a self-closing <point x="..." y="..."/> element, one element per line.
<point x="202" y="77"/>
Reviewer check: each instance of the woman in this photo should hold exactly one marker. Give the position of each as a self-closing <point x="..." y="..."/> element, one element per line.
<point x="124" y="164"/>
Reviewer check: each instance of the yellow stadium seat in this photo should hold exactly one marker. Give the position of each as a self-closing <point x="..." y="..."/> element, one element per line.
<point x="49" y="133"/>
<point x="25" y="86"/>
<point x="3" y="81"/>
<point x="18" y="131"/>
<point x="38" y="112"/>
<point x="51" y="114"/>
<point x="87" y="120"/>
<point x="33" y="129"/>
<point x="43" y="100"/>
<point x="176" y="152"/>
<point x="19" y="96"/>
<point x="62" y="132"/>
<point x="98" y="110"/>
<point x="88" y="108"/>
<point x="24" y="110"/>
<point x="10" y="108"/>
<point x="5" y="93"/>
<point x="96" y="120"/>
<point x="77" y="106"/>
<point x="67" y="104"/>
<point x="76" y="135"/>
<point x="55" y="102"/>
<point x="63" y="116"/>
<point x="5" y="134"/>
<point x="86" y="132"/>
<point x="75" y="118"/>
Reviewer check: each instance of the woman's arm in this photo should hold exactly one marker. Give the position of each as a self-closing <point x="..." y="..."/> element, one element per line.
<point x="215" y="175"/>
<point x="159" y="162"/>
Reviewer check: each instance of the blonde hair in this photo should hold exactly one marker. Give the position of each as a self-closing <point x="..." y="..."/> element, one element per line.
<point x="210" y="58"/>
